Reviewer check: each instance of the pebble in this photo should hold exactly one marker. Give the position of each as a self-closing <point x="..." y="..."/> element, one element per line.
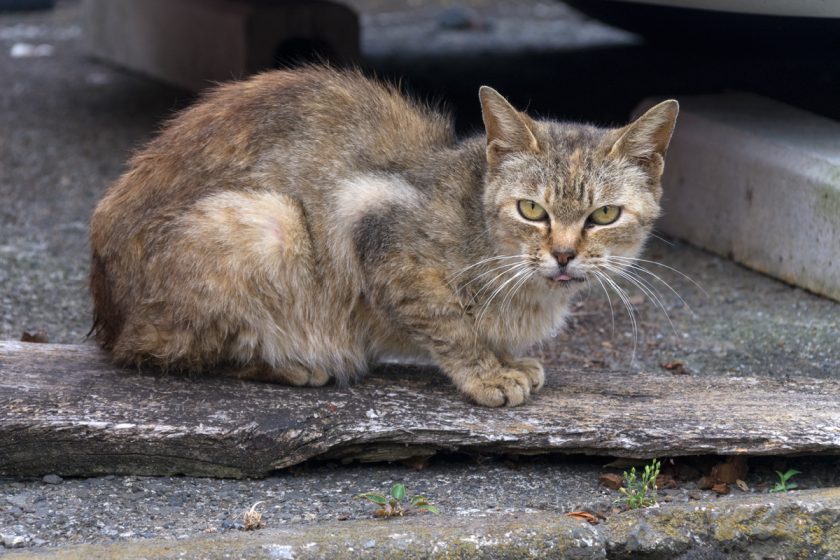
<point x="19" y="500"/>
<point x="52" y="479"/>
<point x="13" y="541"/>
<point x="370" y="544"/>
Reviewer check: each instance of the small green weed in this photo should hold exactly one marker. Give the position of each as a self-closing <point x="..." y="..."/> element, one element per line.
<point x="638" y="493"/>
<point x="392" y="505"/>
<point x="783" y="485"/>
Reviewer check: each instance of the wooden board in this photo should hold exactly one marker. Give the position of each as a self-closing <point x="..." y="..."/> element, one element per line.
<point x="65" y="409"/>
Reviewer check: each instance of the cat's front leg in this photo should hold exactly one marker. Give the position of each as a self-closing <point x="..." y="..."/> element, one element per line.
<point x="437" y="322"/>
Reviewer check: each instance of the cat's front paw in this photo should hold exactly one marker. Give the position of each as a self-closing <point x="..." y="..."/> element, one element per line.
<point x="531" y="367"/>
<point x="506" y="386"/>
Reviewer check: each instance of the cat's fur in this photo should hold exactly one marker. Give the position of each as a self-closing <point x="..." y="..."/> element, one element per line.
<point x="302" y="224"/>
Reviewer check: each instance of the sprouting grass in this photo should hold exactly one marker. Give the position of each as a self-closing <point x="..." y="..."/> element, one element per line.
<point x="639" y="492"/>
<point x="395" y="504"/>
<point x="784" y="477"/>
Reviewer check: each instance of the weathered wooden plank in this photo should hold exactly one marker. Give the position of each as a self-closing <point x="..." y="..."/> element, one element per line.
<point x="64" y="409"/>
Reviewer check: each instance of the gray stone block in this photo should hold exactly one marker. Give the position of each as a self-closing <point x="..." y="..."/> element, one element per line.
<point x="193" y="43"/>
<point x="759" y="182"/>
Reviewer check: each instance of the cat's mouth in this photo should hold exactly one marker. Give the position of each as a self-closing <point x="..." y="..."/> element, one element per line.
<point x="563" y="277"/>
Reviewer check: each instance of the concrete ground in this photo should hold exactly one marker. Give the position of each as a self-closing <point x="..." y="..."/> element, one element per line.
<point x="67" y="124"/>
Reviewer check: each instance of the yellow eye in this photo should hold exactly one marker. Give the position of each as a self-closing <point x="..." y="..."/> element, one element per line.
<point x="530" y="210"/>
<point x="605" y="215"/>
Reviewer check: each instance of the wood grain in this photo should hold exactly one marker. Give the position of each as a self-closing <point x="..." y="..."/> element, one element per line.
<point x="65" y="409"/>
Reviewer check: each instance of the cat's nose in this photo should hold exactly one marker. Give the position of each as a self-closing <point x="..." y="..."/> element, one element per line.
<point x="563" y="256"/>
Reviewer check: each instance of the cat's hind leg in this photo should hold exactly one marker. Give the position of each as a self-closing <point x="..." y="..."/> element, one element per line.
<point x="298" y="375"/>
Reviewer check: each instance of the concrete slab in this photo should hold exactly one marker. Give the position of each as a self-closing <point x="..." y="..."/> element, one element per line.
<point x="193" y="43"/>
<point x="758" y="182"/>
<point x="796" y="525"/>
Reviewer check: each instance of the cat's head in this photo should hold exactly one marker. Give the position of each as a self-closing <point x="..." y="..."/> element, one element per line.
<point x="574" y="200"/>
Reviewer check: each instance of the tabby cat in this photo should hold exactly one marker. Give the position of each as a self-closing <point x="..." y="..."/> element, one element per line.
<point x="298" y="226"/>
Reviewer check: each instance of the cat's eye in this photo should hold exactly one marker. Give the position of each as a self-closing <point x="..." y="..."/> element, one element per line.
<point x="604" y="215"/>
<point x="530" y="210"/>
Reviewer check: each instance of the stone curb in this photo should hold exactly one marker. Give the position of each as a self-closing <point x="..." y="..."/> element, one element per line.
<point x="804" y="524"/>
<point x="757" y="181"/>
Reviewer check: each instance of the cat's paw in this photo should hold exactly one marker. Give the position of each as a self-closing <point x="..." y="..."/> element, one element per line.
<point x="297" y="375"/>
<point x="503" y="387"/>
<point x="531" y="367"/>
<point x="301" y="376"/>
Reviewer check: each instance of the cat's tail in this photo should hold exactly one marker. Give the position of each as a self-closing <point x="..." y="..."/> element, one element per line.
<point x="107" y="318"/>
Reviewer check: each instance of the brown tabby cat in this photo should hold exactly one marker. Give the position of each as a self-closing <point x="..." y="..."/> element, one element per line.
<point x="303" y="224"/>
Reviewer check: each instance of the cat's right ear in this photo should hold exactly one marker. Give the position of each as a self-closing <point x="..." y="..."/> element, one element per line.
<point x="508" y="130"/>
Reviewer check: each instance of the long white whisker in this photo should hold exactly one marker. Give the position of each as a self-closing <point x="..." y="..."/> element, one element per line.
<point x="483" y="261"/>
<point x="516" y="267"/>
<point x="609" y="299"/>
<point x="628" y="306"/>
<point x="662" y="239"/>
<point x="646" y="288"/>
<point x="486" y="272"/>
<point x="487" y="303"/>
<point x="684" y="275"/>
<point x="658" y="278"/>
<point x="508" y="299"/>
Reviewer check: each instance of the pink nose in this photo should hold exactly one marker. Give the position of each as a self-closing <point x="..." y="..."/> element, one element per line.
<point x="563" y="256"/>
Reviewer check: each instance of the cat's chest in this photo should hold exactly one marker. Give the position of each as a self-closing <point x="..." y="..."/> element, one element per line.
<point x="520" y="323"/>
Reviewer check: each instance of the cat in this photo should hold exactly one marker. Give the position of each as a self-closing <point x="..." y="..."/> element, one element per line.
<point x="303" y="224"/>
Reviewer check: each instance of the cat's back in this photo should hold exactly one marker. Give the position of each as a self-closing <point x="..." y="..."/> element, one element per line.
<point x="277" y="126"/>
<point x="314" y="114"/>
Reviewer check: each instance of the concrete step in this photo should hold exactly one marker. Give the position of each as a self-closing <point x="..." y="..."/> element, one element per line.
<point x="802" y="524"/>
<point x="759" y="182"/>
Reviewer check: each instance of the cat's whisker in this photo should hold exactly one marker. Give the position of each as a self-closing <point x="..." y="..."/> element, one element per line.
<point x="490" y="283"/>
<point x="486" y="306"/>
<point x="645" y="287"/>
<point x="609" y="299"/>
<point x="662" y="239"/>
<point x="481" y="262"/>
<point x="508" y="299"/>
<point x="627" y="305"/>
<point x="485" y="273"/>
<point x="632" y="271"/>
<point x="658" y="278"/>
<point x="683" y="274"/>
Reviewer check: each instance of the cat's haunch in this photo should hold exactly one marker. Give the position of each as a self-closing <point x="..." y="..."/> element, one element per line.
<point x="298" y="226"/>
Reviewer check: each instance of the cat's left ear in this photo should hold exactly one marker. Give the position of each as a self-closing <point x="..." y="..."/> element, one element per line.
<point x="647" y="138"/>
<point x="508" y="130"/>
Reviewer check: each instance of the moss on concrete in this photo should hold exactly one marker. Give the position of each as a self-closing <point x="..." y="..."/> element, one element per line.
<point x="801" y="525"/>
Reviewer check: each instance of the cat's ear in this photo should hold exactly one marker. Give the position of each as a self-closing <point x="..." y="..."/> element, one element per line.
<point x="508" y="130"/>
<point x="646" y="139"/>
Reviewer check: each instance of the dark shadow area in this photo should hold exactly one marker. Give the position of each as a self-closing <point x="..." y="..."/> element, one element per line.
<point x="604" y="84"/>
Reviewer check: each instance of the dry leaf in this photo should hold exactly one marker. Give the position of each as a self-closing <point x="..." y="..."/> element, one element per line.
<point x="677" y="367"/>
<point x="665" y="481"/>
<point x="721" y="488"/>
<point x="705" y="482"/>
<point x="733" y="469"/>
<point x="253" y="518"/>
<point x="38" y="336"/>
<point x="583" y="516"/>
<point x="610" y="480"/>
